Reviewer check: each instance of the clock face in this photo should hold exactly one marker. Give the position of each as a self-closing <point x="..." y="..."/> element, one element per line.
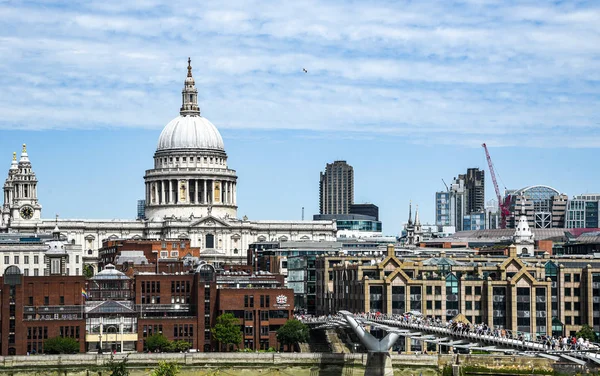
<point x="26" y="212"/>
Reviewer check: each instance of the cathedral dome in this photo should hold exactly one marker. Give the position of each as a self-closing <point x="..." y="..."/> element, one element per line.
<point x="190" y="132"/>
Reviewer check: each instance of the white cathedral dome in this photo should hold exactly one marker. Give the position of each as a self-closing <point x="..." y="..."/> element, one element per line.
<point x="190" y="132"/>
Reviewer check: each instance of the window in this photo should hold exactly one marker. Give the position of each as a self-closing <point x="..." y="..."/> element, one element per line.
<point x="6" y="260"/>
<point x="46" y="300"/>
<point x="468" y="290"/>
<point x="55" y="266"/>
<point x="36" y="259"/>
<point x="567" y="277"/>
<point x="62" y="300"/>
<point x="468" y="305"/>
<point x="26" y="272"/>
<point x="438" y="304"/>
<point x="438" y="290"/>
<point x="249" y="330"/>
<point x="26" y="259"/>
<point x="16" y="259"/>
<point x="577" y="277"/>
<point x="567" y="291"/>
<point x="164" y="254"/>
<point x="576" y="291"/>
<point x="478" y="305"/>
<point x="36" y="272"/>
<point x="478" y="290"/>
<point x="428" y="290"/>
<point x="174" y="253"/>
<point x="429" y="304"/>
<point x="77" y="259"/>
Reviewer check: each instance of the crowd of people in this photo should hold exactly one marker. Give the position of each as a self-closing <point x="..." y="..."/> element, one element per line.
<point x="463" y="327"/>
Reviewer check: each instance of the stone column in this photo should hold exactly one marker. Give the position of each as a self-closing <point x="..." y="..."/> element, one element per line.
<point x="205" y="194"/>
<point x="162" y="192"/>
<point x="234" y="193"/>
<point x="196" y="191"/>
<point x="187" y="191"/>
<point x="170" y="199"/>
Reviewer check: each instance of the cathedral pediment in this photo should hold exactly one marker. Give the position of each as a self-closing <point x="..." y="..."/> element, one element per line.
<point x="210" y="221"/>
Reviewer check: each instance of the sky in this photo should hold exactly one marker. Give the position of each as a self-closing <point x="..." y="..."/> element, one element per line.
<point x="404" y="91"/>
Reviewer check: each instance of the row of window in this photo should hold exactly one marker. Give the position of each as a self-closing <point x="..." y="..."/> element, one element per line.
<point x="209" y="160"/>
<point x="37" y="332"/>
<point x="265" y="301"/>
<point x="183" y="330"/>
<point x="69" y="331"/>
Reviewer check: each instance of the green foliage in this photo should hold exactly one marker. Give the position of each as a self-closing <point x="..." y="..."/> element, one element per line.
<point x="158" y="342"/>
<point x="88" y="271"/>
<point x="227" y="330"/>
<point x="292" y="332"/>
<point x="166" y="369"/>
<point x="61" y="345"/>
<point x="118" y="368"/>
<point x="178" y="346"/>
<point x="586" y="332"/>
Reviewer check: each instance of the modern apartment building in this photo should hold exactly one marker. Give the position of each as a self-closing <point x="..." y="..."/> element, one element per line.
<point x="336" y="188"/>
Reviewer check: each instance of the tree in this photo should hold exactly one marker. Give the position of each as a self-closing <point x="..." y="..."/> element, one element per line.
<point x="166" y="369"/>
<point x="180" y="346"/>
<point x="158" y="342"/>
<point x="88" y="271"/>
<point x="586" y="332"/>
<point x="292" y="332"/>
<point x="61" y="345"/>
<point x="227" y="330"/>
<point x="118" y="368"/>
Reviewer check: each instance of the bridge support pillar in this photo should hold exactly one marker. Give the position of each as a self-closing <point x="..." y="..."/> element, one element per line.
<point x="379" y="364"/>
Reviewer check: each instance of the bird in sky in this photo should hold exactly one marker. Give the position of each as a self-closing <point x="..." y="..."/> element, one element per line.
<point x="304" y="70"/>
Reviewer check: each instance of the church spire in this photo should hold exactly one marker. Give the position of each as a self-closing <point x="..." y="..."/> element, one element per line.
<point x="410" y="212"/>
<point x="417" y="221"/>
<point x="189" y="106"/>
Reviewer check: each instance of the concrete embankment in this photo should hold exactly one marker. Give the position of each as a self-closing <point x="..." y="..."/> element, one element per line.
<point x="254" y="364"/>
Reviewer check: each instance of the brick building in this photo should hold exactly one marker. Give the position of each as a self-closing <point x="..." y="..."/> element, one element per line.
<point x="34" y="309"/>
<point x="152" y="249"/>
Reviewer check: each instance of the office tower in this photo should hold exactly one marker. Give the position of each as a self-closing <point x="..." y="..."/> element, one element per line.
<point x="336" y="188"/>
<point x="475" y="190"/>
<point x="583" y="211"/>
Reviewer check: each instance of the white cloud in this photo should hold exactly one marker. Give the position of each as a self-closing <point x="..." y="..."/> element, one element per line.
<point x="435" y="72"/>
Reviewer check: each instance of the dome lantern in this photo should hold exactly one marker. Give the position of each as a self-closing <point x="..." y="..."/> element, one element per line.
<point x="189" y="94"/>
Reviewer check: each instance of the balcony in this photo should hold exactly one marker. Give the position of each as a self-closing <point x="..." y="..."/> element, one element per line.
<point x="164" y="310"/>
<point x="53" y="313"/>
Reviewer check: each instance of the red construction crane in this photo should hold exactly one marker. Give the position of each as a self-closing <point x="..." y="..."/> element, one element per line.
<point x="503" y="205"/>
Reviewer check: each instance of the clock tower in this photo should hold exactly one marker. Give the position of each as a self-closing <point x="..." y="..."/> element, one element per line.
<point x="20" y="192"/>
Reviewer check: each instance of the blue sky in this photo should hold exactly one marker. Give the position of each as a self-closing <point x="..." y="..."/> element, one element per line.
<point x="405" y="91"/>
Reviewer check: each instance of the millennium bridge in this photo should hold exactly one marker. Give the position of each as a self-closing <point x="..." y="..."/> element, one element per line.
<point x="453" y="336"/>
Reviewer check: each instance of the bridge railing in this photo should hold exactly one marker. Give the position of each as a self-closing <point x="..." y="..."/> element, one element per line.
<point x="525" y="341"/>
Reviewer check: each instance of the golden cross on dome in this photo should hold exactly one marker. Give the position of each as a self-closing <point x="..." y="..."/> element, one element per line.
<point x="189" y="67"/>
<point x="14" y="155"/>
<point x="24" y="148"/>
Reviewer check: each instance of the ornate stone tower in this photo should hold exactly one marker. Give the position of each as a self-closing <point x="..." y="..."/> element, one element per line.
<point x="20" y="192"/>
